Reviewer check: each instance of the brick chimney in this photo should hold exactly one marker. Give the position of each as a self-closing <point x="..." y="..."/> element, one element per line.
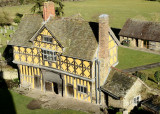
<point x="103" y="36"/>
<point x="48" y="10"/>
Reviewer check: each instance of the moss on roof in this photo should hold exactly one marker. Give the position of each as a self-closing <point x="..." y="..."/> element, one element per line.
<point x="75" y="35"/>
<point x="78" y="37"/>
<point x="26" y="29"/>
<point x="119" y="83"/>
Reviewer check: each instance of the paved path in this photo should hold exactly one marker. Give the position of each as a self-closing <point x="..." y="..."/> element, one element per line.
<point x="144" y="67"/>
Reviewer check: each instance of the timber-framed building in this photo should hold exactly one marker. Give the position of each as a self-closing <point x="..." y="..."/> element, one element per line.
<point x="68" y="56"/>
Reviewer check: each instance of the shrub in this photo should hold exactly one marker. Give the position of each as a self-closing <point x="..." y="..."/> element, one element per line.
<point x="17" y="20"/>
<point x="119" y="113"/>
<point x="141" y="75"/>
<point x="5" y="19"/>
<point x="157" y="76"/>
<point x="18" y="17"/>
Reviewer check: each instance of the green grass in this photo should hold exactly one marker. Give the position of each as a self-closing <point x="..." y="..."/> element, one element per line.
<point x="119" y="10"/>
<point x="132" y="58"/>
<point x="129" y="58"/>
<point x="3" y="39"/>
<point x="11" y="101"/>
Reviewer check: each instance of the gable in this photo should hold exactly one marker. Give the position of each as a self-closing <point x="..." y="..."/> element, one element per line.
<point x="45" y="40"/>
<point x="76" y="36"/>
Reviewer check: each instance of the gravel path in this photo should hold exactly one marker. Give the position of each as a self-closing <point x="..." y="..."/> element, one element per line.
<point x="144" y="67"/>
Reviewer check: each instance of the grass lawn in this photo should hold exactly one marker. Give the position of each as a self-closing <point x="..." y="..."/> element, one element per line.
<point x="11" y="101"/>
<point x="119" y="10"/>
<point x="3" y="39"/>
<point x="129" y="58"/>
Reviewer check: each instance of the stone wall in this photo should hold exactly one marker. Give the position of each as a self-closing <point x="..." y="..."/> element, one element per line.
<point x="155" y="46"/>
<point x="136" y="90"/>
<point x="140" y="43"/>
<point x="115" y="103"/>
<point x="9" y="74"/>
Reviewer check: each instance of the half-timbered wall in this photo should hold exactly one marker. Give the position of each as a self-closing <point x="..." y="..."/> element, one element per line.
<point x="28" y="74"/>
<point x="113" y="50"/>
<point x="39" y="42"/>
<point x="68" y="64"/>
<point x="74" y="82"/>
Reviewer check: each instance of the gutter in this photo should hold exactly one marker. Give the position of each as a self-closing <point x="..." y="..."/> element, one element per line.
<point x="112" y="95"/>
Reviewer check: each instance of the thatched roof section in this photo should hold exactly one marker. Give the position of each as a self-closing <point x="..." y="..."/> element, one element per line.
<point x="141" y="29"/>
<point x="26" y="29"/>
<point x="118" y="83"/>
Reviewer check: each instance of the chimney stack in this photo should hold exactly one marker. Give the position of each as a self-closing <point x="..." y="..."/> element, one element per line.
<point x="48" y="10"/>
<point x="103" y="36"/>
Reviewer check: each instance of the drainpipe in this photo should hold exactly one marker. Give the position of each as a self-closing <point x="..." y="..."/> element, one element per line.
<point x="99" y="82"/>
<point x="96" y="80"/>
<point x="44" y="86"/>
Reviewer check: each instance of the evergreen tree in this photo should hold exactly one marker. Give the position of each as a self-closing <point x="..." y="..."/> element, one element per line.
<point x="39" y="3"/>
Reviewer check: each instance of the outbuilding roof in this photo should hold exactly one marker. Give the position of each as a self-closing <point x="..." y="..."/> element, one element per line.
<point x="118" y="83"/>
<point x="144" y="30"/>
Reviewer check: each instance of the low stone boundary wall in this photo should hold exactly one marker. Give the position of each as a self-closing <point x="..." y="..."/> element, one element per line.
<point x="9" y="74"/>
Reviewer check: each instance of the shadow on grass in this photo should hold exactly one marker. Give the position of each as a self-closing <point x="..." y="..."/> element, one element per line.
<point x="6" y="103"/>
<point x="150" y="79"/>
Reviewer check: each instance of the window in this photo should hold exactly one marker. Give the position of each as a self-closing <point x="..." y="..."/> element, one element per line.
<point x="82" y="89"/>
<point x="47" y="39"/>
<point x="136" y="99"/>
<point x="49" y="55"/>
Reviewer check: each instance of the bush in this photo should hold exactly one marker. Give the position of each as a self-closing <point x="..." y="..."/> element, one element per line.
<point x="17" y="20"/>
<point x="18" y="17"/>
<point x="141" y="75"/>
<point x="5" y="19"/>
<point x="157" y="76"/>
<point x="119" y="113"/>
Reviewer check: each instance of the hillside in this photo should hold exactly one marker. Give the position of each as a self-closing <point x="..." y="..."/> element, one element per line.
<point x="119" y="10"/>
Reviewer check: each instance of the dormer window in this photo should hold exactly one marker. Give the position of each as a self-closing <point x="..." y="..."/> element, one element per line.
<point x="49" y="55"/>
<point x="47" y="39"/>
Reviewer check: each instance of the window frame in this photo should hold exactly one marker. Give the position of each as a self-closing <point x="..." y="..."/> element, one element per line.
<point x="49" y="55"/>
<point x="137" y="99"/>
<point x="49" y="39"/>
<point x="82" y="90"/>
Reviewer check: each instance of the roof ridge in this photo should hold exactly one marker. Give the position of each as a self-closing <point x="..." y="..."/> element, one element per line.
<point x="120" y="71"/>
<point x="143" y="21"/>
